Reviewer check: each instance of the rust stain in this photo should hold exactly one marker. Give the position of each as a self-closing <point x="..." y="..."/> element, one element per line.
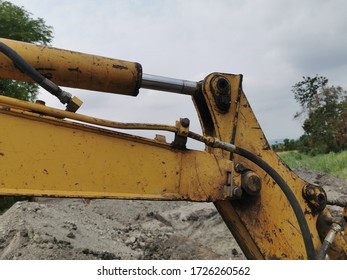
<point x="120" y="67"/>
<point x="75" y="70"/>
<point x="2" y="154"/>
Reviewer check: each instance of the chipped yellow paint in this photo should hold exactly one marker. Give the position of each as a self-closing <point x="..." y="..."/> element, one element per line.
<point x="264" y="226"/>
<point x="74" y="69"/>
<point x="45" y="156"/>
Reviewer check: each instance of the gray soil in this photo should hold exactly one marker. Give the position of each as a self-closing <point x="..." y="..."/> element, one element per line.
<point x="117" y="229"/>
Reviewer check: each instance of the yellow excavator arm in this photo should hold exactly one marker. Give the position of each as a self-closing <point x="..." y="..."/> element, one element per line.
<point x="44" y="151"/>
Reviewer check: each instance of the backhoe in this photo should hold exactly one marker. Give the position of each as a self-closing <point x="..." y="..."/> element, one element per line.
<point x="45" y="151"/>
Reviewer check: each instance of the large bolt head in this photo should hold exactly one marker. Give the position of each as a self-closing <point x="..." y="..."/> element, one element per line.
<point x="251" y="183"/>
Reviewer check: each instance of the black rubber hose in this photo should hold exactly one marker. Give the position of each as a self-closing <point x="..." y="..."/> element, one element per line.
<point x="305" y="230"/>
<point x="26" y="68"/>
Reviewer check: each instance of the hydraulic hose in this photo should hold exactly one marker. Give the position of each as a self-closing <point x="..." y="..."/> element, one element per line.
<point x="26" y="68"/>
<point x="305" y="230"/>
<point x="328" y="240"/>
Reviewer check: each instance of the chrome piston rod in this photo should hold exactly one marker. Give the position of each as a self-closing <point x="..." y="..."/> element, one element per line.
<point x="168" y="84"/>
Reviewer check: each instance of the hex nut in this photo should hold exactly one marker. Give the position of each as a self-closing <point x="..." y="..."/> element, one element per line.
<point x="74" y="104"/>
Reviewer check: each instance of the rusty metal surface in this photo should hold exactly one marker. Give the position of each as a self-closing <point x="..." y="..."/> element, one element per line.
<point x="41" y="155"/>
<point x="338" y="249"/>
<point x="12" y="103"/>
<point x="263" y="224"/>
<point x="74" y="69"/>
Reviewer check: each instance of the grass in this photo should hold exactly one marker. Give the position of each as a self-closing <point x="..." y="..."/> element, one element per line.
<point x="332" y="163"/>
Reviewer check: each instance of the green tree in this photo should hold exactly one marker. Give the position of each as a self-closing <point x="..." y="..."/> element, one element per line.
<point x="325" y="108"/>
<point x="18" y="24"/>
<point x="306" y="91"/>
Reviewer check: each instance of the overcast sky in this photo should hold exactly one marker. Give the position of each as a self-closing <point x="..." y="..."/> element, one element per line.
<point x="272" y="43"/>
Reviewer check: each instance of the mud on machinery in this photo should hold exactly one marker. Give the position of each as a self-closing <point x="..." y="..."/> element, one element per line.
<point x="44" y="151"/>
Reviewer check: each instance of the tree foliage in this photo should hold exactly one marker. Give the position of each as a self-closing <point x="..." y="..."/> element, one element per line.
<point x="306" y="91"/>
<point x="325" y="107"/>
<point x="18" y="24"/>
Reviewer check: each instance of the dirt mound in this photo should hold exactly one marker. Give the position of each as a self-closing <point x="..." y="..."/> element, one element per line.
<point x="118" y="229"/>
<point x="114" y="229"/>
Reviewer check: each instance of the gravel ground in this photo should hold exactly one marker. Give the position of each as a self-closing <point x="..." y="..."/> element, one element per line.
<point x="117" y="229"/>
